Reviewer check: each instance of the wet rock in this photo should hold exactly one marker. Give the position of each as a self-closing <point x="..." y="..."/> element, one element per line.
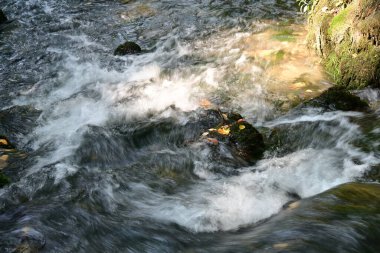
<point x="233" y="131"/>
<point x="4" y="180"/>
<point x="3" y="18"/>
<point x="127" y="48"/>
<point x="30" y="240"/>
<point x="17" y="121"/>
<point x="337" y="98"/>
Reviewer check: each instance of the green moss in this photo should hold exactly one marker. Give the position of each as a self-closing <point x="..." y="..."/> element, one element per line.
<point x="284" y="35"/>
<point x="359" y="68"/>
<point x="280" y="55"/>
<point x="332" y="66"/>
<point x="339" y="22"/>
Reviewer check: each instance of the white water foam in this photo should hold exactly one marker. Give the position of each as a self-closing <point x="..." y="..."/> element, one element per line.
<point x="220" y="203"/>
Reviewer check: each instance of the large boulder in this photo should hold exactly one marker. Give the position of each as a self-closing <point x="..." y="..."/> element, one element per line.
<point x="347" y="36"/>
<point x="3" y="18"/>
<point x="127" y="48"/>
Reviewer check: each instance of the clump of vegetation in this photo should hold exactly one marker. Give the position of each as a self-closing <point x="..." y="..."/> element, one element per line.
<point x="305" y="5"/>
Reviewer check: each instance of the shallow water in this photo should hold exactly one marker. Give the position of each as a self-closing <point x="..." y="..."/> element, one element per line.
<point x="112" y="162"/>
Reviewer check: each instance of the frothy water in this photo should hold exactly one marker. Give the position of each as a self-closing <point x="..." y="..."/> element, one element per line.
<point x="109" y="152"/>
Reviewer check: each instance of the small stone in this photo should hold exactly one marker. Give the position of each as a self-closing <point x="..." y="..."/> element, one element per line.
<point x="4" y="158"/>
<point x="3" y="18"/>
<point x="280" y="245"/>
<point x="294" y="205"/>
<point x="127" y="48"/>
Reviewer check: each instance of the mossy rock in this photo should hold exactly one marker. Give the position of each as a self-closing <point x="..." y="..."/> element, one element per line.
<point x="337" y="98"/>
<point x="356" y="198"/>
<point x="3" y="18"/>
<point x="127" y="48"/>
<point x="347" y="36"/>
<point x="4" y="180"/>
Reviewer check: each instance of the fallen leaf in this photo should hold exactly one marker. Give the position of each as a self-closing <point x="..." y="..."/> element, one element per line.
<point x="224" y="130"/>
<point x="205" y="103"/>
<point x="3" y="142"/>
<point x="241" y="127"/>
<point x="213" y="141"/>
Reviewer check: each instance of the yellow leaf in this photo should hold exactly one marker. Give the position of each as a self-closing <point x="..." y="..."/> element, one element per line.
<point x="225" y="130"/>
<point x="3" y="142"/>
<point x="241" y="127"/>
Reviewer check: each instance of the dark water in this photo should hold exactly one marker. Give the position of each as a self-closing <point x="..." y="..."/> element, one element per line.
<point x="108" y="157"/>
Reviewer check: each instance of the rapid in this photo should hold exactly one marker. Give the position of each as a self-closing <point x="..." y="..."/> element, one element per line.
<point x="111" y="161"/>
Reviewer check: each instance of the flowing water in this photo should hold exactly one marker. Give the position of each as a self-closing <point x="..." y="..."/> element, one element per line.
<point x="107" y="154"/>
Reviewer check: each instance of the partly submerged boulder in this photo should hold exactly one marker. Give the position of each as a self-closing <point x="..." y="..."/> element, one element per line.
<point x="234" y="132"/>
<point x="337" y="98"/>
<point x="128" y="47"/>
<point x="3" y="18"/>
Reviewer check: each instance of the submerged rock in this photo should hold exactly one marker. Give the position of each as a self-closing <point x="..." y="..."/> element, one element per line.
<point x="128" y="48"/>
<point x="347" y="36"/>
<point x="17" y="121"/>
<point x="337" y="98"/>
<point x="3" y="18"/>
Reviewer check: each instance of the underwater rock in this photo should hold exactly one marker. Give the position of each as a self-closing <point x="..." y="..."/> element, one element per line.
<point x="17" y="121"/>
<point x="337" y="98"/>
<point x="3" y="18"/>
<point x="346" y="34"/>
<point x="127" y="48"/>
<point x="233" y="131"/>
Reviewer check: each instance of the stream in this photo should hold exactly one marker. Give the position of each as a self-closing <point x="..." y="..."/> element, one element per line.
<point x="107" y="154"/>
